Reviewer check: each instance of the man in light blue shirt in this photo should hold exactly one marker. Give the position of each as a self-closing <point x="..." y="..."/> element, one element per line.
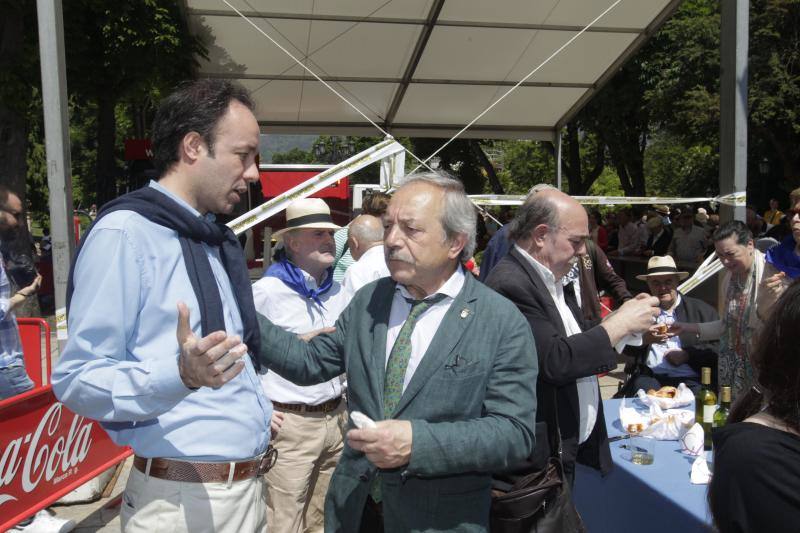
<point x="190" y="406"/>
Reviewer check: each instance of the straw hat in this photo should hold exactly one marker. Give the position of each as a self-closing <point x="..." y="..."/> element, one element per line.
<point x="307" y="213"/>
<point x="655" y="222"/>
<point x="661" y="209"/>
<point x="702" y="215"/>
<point x="662" y="266"/>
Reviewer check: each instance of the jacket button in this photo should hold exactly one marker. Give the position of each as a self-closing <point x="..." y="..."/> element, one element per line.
<point x="364" y="477"/>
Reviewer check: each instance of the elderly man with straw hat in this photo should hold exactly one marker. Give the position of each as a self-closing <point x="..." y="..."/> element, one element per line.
<point x="664" y="358"/>
<point x="298" y="294"/>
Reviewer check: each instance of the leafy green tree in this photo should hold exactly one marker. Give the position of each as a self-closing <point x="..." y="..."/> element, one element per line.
<point x="775" y="84"/>
<point x="125" y="52"/>
<point x="525" y="163"/>
<point x="295" y="155"/>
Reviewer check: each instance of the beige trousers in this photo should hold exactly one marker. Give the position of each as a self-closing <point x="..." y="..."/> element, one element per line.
<point x="309" y="445"/>
<point x="152" y="505"/>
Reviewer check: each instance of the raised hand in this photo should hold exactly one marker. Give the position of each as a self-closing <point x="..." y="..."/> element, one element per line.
<point x="211" y="361"/>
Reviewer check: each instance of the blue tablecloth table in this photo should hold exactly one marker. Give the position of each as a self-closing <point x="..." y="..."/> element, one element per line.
<point x="641" y="498"/>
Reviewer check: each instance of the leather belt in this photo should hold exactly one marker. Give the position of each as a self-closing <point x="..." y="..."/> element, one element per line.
<point x="195" y="472"/>
<point x="324" y="407"/>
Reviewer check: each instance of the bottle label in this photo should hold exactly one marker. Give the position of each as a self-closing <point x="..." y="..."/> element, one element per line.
<point x="708" y="413"/>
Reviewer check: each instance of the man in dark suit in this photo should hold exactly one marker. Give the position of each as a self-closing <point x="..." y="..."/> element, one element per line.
<point x="659" y="237"/>
<point x="461" y="402"/>
<point x="549" y="233"/>
<point x="665" y="359"/>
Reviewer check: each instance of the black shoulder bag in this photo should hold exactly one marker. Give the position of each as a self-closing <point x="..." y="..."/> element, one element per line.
<point x="535" y="498"/>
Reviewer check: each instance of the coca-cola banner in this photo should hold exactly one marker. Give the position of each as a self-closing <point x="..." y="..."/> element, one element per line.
<point x="46" y="451"/>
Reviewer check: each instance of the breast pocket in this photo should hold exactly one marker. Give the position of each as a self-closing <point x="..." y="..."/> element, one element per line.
<point x="460" y="366"/>
<point x="457" y="390"/>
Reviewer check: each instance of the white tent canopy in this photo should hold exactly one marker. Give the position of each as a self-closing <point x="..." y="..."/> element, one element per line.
<point x="421" y="68"/>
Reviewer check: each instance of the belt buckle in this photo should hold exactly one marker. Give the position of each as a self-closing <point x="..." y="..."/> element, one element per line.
<point x="268" y="460"/>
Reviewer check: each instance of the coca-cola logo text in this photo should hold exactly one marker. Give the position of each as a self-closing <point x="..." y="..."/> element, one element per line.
<point x="46" y="457"/>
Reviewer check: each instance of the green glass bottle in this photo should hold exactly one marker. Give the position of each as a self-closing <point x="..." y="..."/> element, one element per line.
<point x="705" y="405"/>
<point x="721" y="416"/>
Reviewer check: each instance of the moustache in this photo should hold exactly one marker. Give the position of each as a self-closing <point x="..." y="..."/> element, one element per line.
<point x="393" y="255"/>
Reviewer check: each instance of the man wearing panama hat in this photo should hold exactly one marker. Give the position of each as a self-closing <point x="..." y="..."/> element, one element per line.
<point x="298" y="294"/>
<point x="666" y="359"/>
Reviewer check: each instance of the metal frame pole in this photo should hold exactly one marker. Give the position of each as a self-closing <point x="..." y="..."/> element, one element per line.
<point x="733" y="103"/>
<point x="56" y="128"/>
<point x="557" y="142"/>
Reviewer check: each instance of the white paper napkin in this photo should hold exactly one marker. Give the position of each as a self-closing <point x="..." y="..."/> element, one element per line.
<point x="692" y="440"/>
<point x="683" y="398"/>
<point x="634" y="339"/>
<point x="701" y="474"/>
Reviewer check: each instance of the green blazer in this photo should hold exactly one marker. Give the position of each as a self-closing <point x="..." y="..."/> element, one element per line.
<point x="471" y="403"/>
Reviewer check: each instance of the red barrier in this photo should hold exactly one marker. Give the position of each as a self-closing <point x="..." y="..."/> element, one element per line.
<point x="32" y="331"/>
<point x="46" y="451"/>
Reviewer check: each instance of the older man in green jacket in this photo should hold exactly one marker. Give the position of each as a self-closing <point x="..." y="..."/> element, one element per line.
<point x="445" y="366"/>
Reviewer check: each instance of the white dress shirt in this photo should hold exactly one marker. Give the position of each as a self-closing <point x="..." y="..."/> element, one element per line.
<point x="588" y="392"/>
<point x="371" y="266"/>
<point x="655" y="356"/>
<point x="427" y="323"/>
<point x="289" y="310"/>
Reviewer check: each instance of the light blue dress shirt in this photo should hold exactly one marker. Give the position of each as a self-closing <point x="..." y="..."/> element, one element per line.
<point x="120" y="364"/>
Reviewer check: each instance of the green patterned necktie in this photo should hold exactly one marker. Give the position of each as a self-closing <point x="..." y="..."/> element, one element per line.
<point x="400" y="355"/>
<point x="396" y="369"/>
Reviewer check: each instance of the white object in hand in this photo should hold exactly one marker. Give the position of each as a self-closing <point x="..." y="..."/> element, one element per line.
<point x="362" y="421"/>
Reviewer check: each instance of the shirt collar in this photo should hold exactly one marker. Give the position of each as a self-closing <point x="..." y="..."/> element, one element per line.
<point x="675" y="304"/>
<point x="451" y="287"/>
<point x="180" y="201"/>
<point x="540" y="269"/>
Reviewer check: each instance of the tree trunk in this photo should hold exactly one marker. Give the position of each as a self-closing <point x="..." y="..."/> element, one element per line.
<point x="494" y="181"/>
<point x="107" y="171"/>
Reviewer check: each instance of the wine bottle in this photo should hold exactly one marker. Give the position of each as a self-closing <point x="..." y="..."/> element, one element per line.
<point x="705" y="405"/>
<point x="721" y="416"/>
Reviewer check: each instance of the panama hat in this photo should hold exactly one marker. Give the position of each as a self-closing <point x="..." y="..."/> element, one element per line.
<point x="661" y="209"/>
<point x="702" y="215"/>
<point x="655" y="222"/>
<point x="307" y="213"/>
<point x="662" y="266"/>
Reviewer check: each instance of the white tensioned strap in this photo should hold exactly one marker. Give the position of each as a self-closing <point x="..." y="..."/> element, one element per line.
<point x="373" y="154"/>
<point x="707" y="268"/>
<point x="737" y="199"/>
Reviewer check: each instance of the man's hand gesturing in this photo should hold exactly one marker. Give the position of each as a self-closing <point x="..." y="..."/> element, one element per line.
<point x="211" y="361"/>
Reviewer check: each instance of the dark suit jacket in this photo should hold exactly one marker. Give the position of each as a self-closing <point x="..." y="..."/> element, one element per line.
<point x="701" y="353"/>
<point x="659" y="246"/>
<point x="562" y="359"/>
<point x="471" y="403"/>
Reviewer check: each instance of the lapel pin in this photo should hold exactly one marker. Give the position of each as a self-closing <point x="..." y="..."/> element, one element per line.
<point x="464" y="313"/>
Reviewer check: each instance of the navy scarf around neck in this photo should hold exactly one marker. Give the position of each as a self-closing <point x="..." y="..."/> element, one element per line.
<point x="293" y="277"/>
<point x="192" y="231"/>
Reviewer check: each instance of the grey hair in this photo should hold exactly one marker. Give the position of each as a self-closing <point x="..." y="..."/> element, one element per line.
<point x="365" y="232"/>
<point x="459" y="215"/>
<point x="536" y="189"/>
<point x="535" y="211"/>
